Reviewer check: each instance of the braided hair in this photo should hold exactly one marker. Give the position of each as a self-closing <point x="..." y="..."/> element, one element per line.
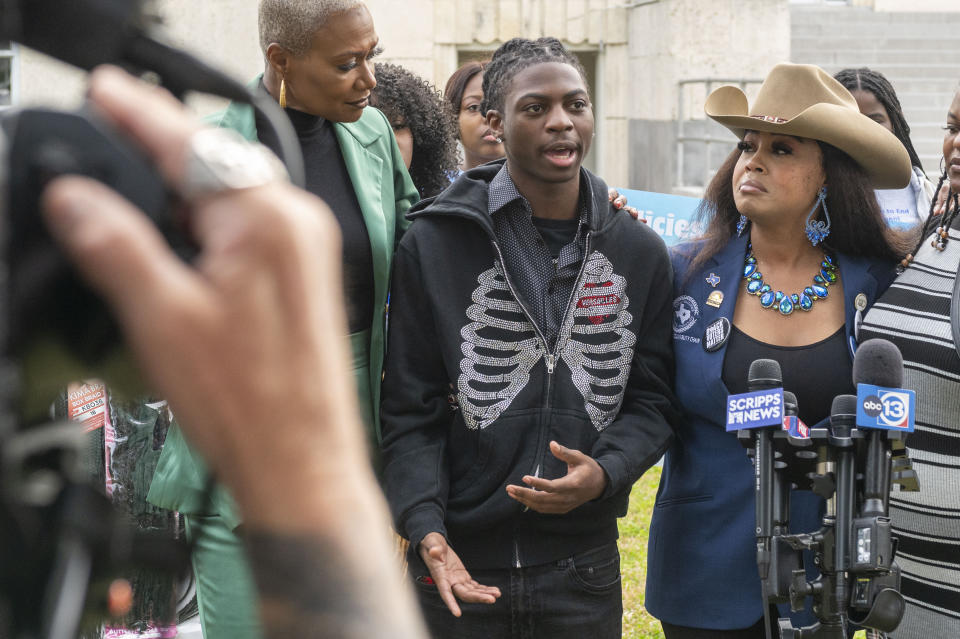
<point x="938" y="225"/>
<point x="864" y="79"/>
<point x="513" y="57"/>
<point x="408" y="99"/>
<point x="931" y="225"/>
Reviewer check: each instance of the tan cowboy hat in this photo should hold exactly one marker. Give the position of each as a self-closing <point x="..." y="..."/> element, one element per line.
<point x="804" y="101"/>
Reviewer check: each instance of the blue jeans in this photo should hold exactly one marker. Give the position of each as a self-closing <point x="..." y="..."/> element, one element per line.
<point x="569" y="598"/>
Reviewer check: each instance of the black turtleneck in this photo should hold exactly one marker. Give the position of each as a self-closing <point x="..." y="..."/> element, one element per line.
<point x="327" y="178"/>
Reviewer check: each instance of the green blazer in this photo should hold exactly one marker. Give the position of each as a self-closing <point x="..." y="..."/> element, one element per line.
<point x="385" y="192"/>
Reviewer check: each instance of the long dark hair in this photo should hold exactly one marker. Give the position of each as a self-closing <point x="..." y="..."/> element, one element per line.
<point x="940" y="222"/>
<point x="404" y="96"/>
<point x="858" y="227"/>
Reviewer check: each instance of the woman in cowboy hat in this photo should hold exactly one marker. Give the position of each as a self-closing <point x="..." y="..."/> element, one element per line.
<point x="796" y="248"/>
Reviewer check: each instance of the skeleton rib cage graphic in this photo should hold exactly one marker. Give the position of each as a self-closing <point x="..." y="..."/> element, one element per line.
<point x="500" y="346"/>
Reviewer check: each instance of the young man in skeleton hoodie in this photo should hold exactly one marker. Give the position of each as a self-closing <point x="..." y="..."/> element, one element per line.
<point x="528" y="375"/>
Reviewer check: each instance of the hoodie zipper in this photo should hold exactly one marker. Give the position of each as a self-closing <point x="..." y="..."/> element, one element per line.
<point x="550" y="358"/>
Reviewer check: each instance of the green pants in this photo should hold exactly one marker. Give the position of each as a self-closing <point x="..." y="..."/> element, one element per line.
<point x="226" y="592"/>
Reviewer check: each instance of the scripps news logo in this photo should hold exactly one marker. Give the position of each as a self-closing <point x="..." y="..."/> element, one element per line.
<point x="887" y="408"/>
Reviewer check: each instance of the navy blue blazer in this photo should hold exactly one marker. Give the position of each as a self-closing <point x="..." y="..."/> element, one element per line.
<point x="702" y="569"/>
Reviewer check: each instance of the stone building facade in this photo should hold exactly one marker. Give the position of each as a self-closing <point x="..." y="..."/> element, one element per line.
<point x="650" y="62"/>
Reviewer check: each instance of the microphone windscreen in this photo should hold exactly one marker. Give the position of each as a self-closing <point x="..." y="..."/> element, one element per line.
<point x="764" y="373"/>
<point x="790" y="406"/>
<point x="844" y="405"/>
<point x="879" y="363"/>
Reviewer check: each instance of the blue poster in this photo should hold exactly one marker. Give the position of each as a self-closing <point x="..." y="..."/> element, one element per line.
<point x="671" y="216"/>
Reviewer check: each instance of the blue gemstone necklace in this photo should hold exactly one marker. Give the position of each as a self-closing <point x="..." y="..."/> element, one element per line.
<point x="786" y="304"/>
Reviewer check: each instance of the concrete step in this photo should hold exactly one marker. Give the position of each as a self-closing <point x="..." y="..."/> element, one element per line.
<point x="934" y="110"/>
<point x="805" y="16"/>
<point x="908" y="85"/>
<point x="813" y="25"/>
<point x="881" y="41"/>
<point x="918" y="52"/>
<point x="916" y="123"/>
<point x="922" y="89"/>
<point x="933" y="72"/>
<point x="864" y="57"/>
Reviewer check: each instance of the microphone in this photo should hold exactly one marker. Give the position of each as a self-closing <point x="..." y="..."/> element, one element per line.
<point x="843" y="418"/>
<point x="764" y="374"/>
<point x="790" y="406"/>
<point x="879" y="363"/>
<point x="781" y="487"/>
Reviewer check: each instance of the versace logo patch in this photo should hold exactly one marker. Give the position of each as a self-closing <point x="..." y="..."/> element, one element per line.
<point x="601" y="304"/>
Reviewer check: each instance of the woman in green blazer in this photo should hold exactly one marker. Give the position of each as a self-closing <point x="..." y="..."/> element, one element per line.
<point x="320" y="69"/>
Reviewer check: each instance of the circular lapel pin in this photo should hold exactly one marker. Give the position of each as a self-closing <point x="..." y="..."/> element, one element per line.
<point x="716" y="335"/>
<point x="860" y="302"/>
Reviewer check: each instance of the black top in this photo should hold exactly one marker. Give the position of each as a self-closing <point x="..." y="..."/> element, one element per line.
<point x="556" y="233"/>
<point x="815" y="373"/>
<point x="327" y="178"/>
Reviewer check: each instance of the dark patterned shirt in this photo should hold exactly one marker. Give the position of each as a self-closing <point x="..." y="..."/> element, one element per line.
<point x="543" y="283"/>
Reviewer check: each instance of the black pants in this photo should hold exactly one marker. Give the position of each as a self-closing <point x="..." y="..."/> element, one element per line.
<point x="573" y="598"/>
<point x="753" y="632"/>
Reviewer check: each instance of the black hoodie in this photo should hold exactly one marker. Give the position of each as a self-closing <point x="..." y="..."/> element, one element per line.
<point x="457" y="331"/>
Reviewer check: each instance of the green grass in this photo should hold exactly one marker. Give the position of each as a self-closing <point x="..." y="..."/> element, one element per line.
<point x="634" y="529"/>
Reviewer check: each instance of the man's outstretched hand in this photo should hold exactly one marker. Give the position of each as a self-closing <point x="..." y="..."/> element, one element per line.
<point x="451" y="576"/>
<point x="584" y="481"/>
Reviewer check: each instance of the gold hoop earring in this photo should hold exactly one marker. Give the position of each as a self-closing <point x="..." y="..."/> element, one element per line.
<point x="283" y="93"/>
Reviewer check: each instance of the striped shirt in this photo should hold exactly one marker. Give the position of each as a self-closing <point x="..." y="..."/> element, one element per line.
<point x="914" y="314"/>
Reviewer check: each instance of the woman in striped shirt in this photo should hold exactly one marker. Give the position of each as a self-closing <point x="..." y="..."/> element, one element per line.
<point x="920" y="313"/>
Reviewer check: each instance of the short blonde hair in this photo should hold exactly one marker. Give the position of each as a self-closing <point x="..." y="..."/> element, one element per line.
<point x="293" y="23"/>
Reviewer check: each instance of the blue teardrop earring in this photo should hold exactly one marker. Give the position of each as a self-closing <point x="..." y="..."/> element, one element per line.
<point x="741" y="225"/>
<point x="817" y="230"/>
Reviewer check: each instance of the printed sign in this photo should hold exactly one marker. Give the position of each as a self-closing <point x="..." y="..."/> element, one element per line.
<point x="795" y="427"/>
<point x="88" y="404"/>
<point x="671" y="216"/>
<point x="885" y="408"/>
<point x="755" y="410"/>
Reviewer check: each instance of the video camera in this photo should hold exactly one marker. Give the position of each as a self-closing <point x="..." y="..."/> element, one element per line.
<point x="852" y="464"/>
<point x="61" y="541"/>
